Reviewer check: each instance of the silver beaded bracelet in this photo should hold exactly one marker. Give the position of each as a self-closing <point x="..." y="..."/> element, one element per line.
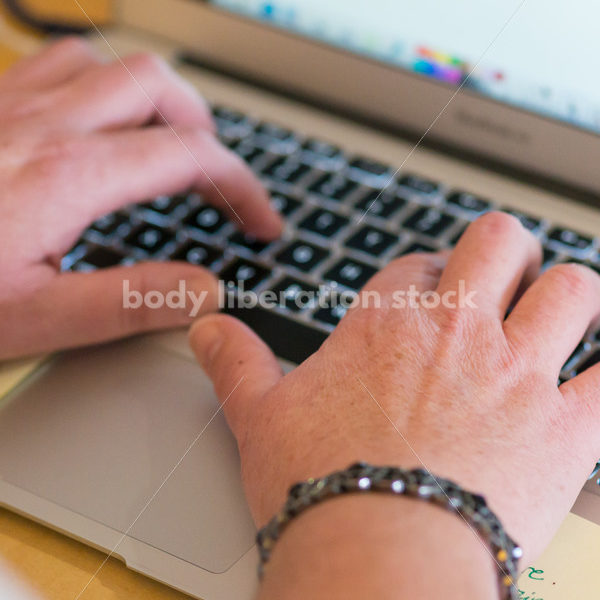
<point x="417" y="483"/>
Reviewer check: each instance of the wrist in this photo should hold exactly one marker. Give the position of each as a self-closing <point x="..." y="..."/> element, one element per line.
<point x="408" y="549"/>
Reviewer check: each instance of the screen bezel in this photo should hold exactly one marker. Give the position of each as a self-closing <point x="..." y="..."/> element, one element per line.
<point x="362" y="86"/>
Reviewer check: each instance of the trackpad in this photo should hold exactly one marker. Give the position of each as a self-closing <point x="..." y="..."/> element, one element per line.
<point x="102" y="430"/>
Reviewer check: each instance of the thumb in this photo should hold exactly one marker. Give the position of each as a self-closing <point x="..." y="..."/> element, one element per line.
<point x="76" y="309"/>
<point x="240" y="365"/>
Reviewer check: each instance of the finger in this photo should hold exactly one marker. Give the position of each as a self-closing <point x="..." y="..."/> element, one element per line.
<point x="58" y="63"/>
<point x="235" y="358"/>
<point x="141" y="89"/>
<point x="421" y="270"/>
<point x="76" y="309"/>
<point x="495" y="257"/>
<point x="116" y="169"/>
<point x="554" y="313"/>
<point x="582" y="406"/>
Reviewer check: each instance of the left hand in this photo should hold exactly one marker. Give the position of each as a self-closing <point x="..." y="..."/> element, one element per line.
<point x="80" y="138"/>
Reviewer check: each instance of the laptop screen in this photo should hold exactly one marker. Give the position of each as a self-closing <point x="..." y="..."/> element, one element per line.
<point x="540" y="55"/>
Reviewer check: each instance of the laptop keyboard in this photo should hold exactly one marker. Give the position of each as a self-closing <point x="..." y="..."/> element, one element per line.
<point x="323" y="193"/>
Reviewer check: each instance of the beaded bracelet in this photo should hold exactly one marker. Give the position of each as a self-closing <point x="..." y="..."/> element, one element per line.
<point x="417" y="483"/>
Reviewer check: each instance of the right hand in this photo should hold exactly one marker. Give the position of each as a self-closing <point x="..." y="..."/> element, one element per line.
<point x="80" y="138"/>
<point x="463" y="391"/>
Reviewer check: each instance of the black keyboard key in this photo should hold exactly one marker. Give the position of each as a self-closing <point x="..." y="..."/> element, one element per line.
<point x="321" y="149"/>
<point x="333" y="186"/>
<point x="378" y="204"/>
<point x="207" y="219"/>
<point x="102" y="257"/>
<point x="284" y="204"/>
<point x="108" y="224"/>
<point x="296" y="295"/>
<point x="418" y="247"/>
<point x="244" y="273"/>
<point x="166" y="205"/>
<point x="148" y="238"/>
<point x="286" y="170"/>
<point x="371" y="240"/>
<point x="469" y="202"/>
<point x="570" y="239"/>
<point x="419" y="184"/>
<point x="351" y="273"/>
<point x="368" y="167"/>
<point x="323" y="222"/>
<point x="302" y="255"/>
<point x="549" y="256"/>
<point x="273" y="131"/>
<point x="227" y="114"/>
<point x="575" y="355"/>
<point x="429" y="221"/>
<point x="248" y="241"/>
<point x="197" y="253"/>
<point x="529" y="222"/>
<point x="277" y="330"/>
<point x="590" y="361"/>
<point x="331" y="315"/>
<point x="248" y="152"/>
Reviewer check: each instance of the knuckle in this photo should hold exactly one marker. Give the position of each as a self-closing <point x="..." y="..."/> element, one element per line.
<point x="576" y="278"/>
<point x="54" y="163"/>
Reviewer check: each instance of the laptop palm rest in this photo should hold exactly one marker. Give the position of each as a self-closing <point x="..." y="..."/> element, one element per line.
<point x="98" y="432"/>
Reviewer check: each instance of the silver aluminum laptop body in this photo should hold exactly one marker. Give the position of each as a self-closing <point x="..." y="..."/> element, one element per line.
<point x="123" y="446"/>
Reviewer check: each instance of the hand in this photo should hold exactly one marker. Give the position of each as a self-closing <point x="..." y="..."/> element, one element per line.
<point x="80" y="138"/>
<point x="466" y="393"/>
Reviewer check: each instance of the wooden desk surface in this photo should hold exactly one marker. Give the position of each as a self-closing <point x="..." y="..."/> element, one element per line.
<point x="55" y="566"/>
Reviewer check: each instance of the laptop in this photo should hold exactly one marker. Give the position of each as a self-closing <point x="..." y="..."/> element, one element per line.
<point x="380" y="128"/>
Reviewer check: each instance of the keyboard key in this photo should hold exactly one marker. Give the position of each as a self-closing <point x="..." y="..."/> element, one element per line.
<point x="244" y="273"/>
<point x="527" y="221"/>
<point x="351" y="273"/>
<point x="379" y="204"/>
<point x="276" y="330"/>
<point x="148" y="238"/>
<point x="469" y="202"/>
<point x="418" y="184"/>
<point x="284" y="204"/>
<point x="197" y="253"/>
<point x="102" y="257"/>
<point x="368" y="167"/>
<point x="248" y="241"/>
<point x="321" y="149"/>
<point x="372" y="240"/>
<point x="418" y="247"/>
<point x="302" y="255"/>
<point x="285" y="169"/>
<point x="248" y="152"/>
<point x="570" y="239"/>
<point x="295" y="294"/>
<point x="207" y="219"/>
<point x="582" y="347"/>
<point x="323" y="222"/>
<point x="227" y="114"/>
<point x="331" y="315"/>
<point x="273" y="131"/>
<point x="429" y="221"/>
<point x="109" y="223"/>
<point x="333" y="186"/>
<point x="549" y="256"/>
<point x="166" y="205"/>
